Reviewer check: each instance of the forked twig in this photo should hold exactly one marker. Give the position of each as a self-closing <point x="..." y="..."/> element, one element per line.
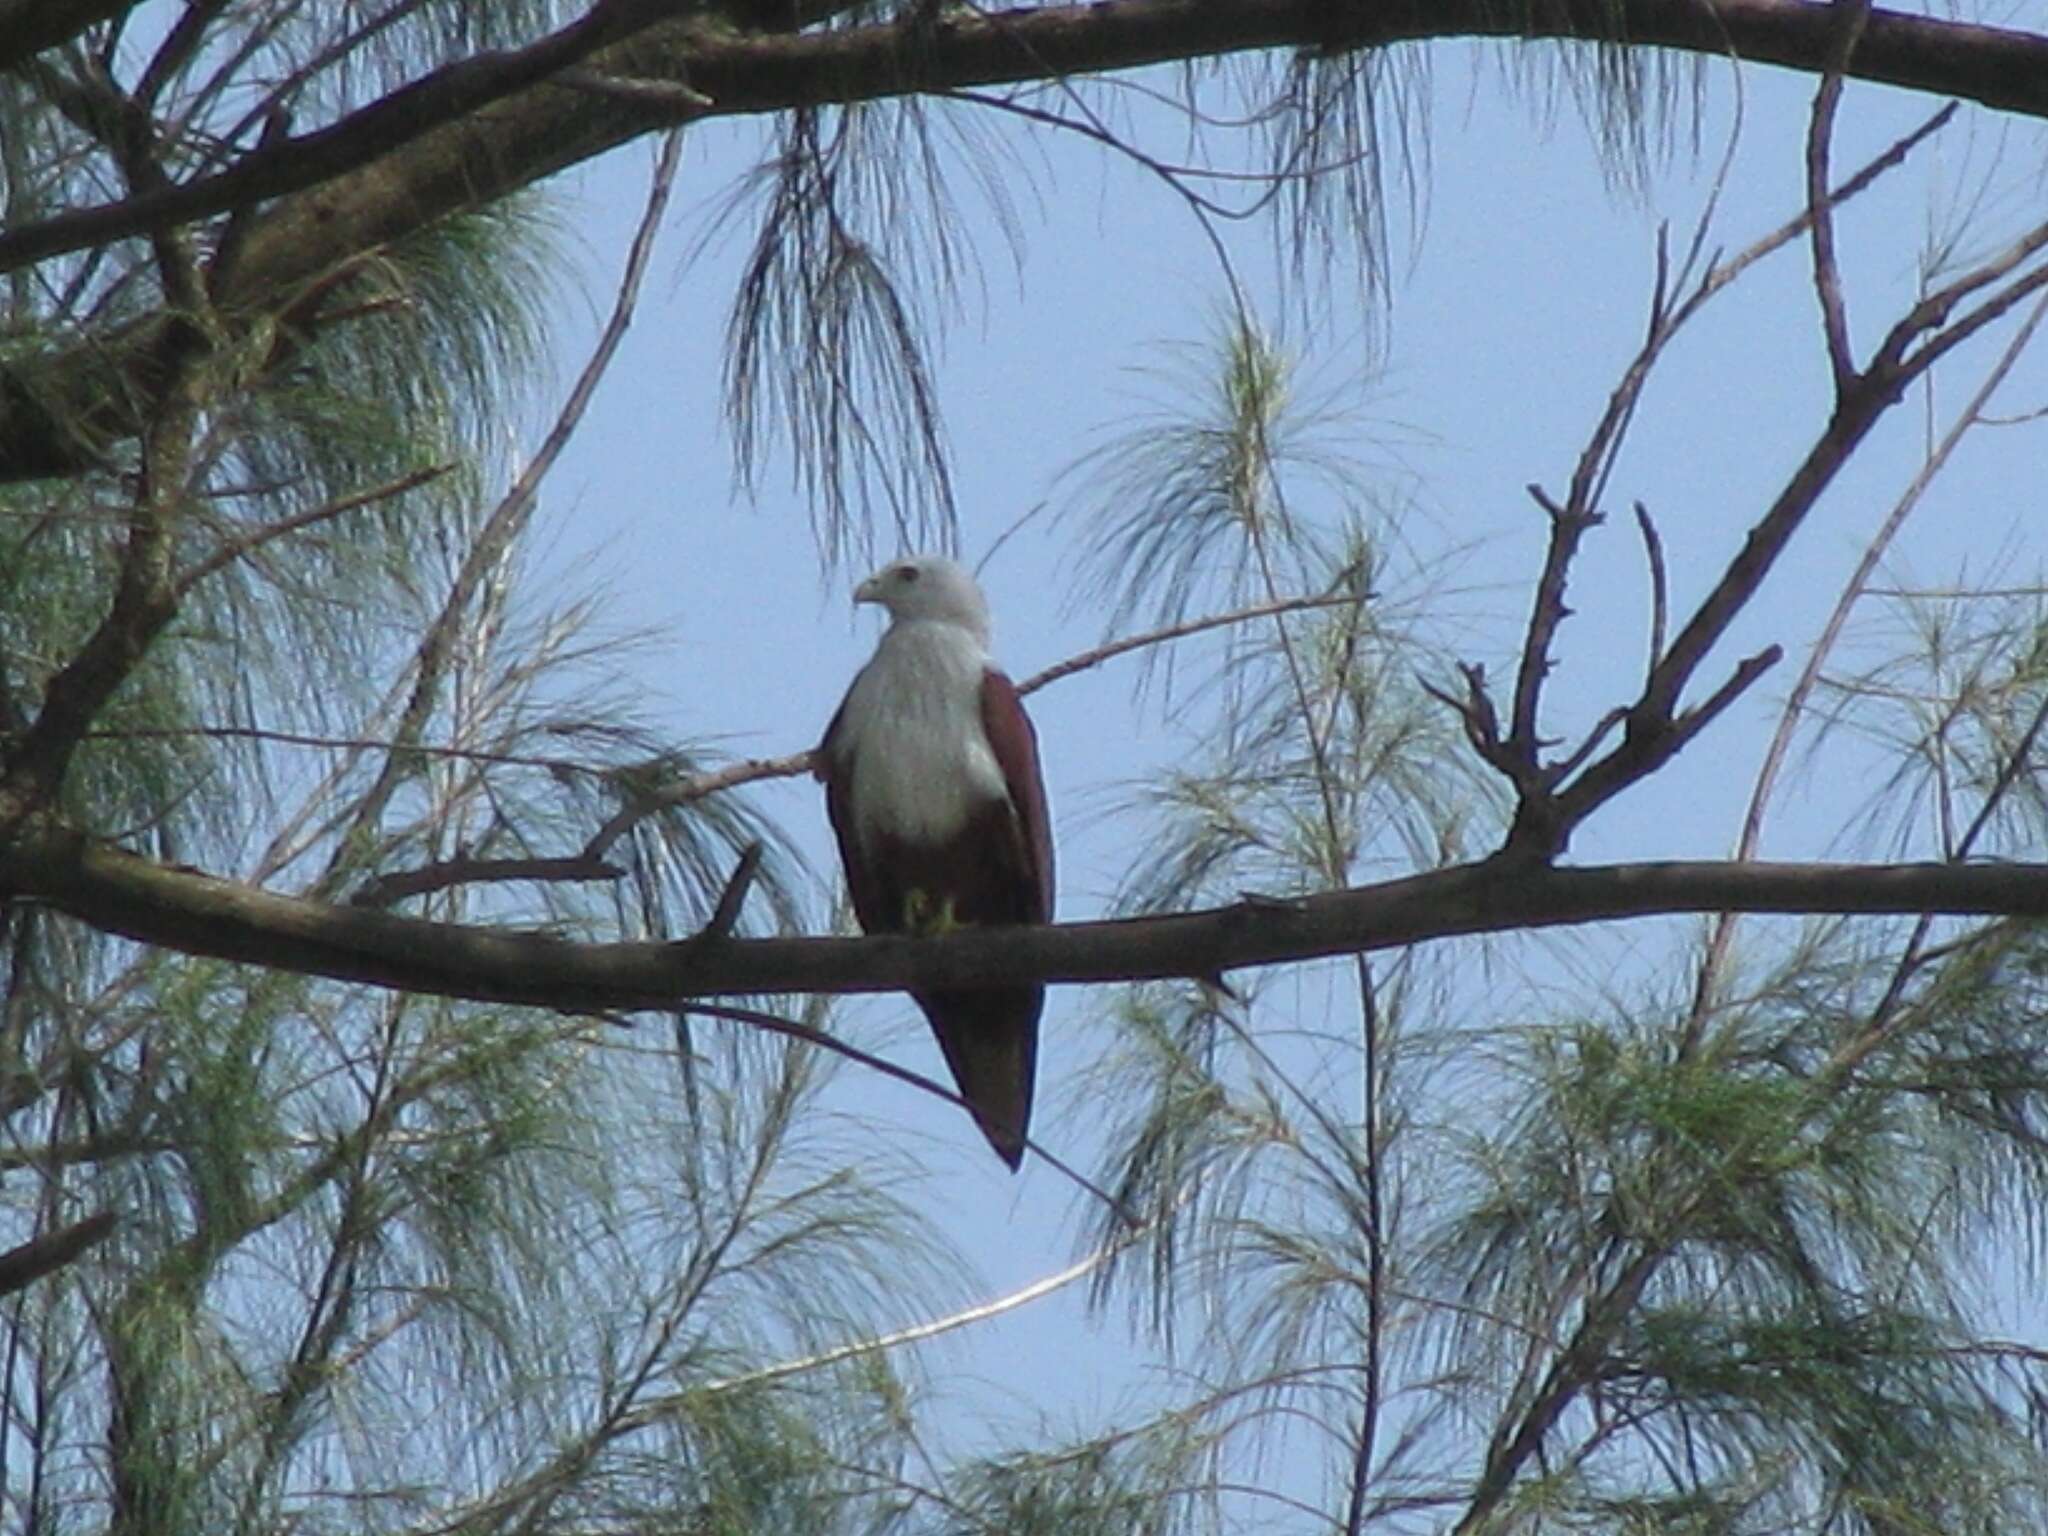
<point x="1849" y="18"/>
<point x="1545" y="815"/>
<point x="1857" y="586"/>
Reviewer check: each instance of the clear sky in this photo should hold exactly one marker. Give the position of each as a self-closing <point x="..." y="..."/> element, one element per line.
<point x="1518" y="294"/>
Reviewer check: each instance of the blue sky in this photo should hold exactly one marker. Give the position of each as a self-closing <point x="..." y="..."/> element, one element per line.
<point x="1514" y="301"/>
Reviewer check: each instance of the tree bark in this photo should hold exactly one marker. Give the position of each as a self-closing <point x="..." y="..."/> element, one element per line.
<point x="182" y="909"/>
<point x="473" y="132"/>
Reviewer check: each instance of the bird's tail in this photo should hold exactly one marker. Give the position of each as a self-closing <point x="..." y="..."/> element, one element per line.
<point x="990" y="1038"/>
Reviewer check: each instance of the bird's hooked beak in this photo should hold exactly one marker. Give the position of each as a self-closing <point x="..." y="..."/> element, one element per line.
<point x="869" y="591"/>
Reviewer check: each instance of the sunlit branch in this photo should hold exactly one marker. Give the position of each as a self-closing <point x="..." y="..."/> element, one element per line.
<point x="966" y="1317"/>
<point x="1094" y="658"/>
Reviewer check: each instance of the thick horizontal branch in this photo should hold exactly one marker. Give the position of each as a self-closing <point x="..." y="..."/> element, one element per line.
<point x="184" y="910"/>
<point x="29" y="26"/>
<point x="480" y="129"/>
<point x="728" y="72"/>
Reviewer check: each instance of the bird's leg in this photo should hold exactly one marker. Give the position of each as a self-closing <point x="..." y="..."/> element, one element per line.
<point x="925" y="917"/>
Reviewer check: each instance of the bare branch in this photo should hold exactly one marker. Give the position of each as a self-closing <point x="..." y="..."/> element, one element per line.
<point x="182" y="909"/>
<point x="1698" y="718"/>
<point x="1715" y="956"/>
<point x="24" y="1265"/>
<point x="734" y="896"/>
<point x="1545" y="816"/>
<point x="1849" y="17"/>
<point x="1115" y="648"/>
<point x="1568" y="526"/>
<point x="1660" y="585"/>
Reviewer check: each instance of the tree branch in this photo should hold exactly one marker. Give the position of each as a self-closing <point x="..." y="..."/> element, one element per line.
<point x="183" y="909"/>
<point x="27" y="27"/>
<point x="1852" y="15"/>
<point x="28" y="1263"/>
<point x="246" y="543"/>
<point x="474" y="131"/>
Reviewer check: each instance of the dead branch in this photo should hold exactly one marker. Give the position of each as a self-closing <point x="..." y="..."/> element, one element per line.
<point x="1568" y="527"/>
<point x="1853" y="590"/>
<point x="1088" y="659"/>
<point x="1660" y="587"/>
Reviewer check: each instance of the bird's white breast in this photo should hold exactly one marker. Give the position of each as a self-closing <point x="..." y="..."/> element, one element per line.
<point x="913" y="733"/>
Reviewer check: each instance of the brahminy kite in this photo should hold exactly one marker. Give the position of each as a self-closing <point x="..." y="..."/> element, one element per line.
<point x="932" y="783"/>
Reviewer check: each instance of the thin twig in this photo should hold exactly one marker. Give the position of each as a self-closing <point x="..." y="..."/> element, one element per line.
<point x="508" y="520"/>
<point x="1715" y="955"/>
<point x="553" y="765"/>
<point x="791" y="765"/>
<point x="248" y="543"/>
<point x="1568" y="526"/>
<point x="918" y="1332"/>
<point x="734" y="896"/>
<point x="1849" y="17"/>
<point x="1660" y="584"/>
<point x="645" y="803"/>
<point x="1114" y="648"/>
<point x="445" y="874"/>
<point x="776" y="1024"/>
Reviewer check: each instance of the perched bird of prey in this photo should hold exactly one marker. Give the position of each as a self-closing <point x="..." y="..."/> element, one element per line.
<point x="932" y="782"/>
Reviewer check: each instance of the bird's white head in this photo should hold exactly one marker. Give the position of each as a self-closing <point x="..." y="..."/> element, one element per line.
<point x="928" y="587"/>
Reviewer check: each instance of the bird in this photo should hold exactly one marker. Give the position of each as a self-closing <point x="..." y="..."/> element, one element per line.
<point x="933" y="787"/>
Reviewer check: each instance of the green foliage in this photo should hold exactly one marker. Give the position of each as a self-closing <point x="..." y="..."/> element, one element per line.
<point x="385" y="1261"/>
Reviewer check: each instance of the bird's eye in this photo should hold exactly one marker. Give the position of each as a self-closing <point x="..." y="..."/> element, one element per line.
<point x="906" y="573"/>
